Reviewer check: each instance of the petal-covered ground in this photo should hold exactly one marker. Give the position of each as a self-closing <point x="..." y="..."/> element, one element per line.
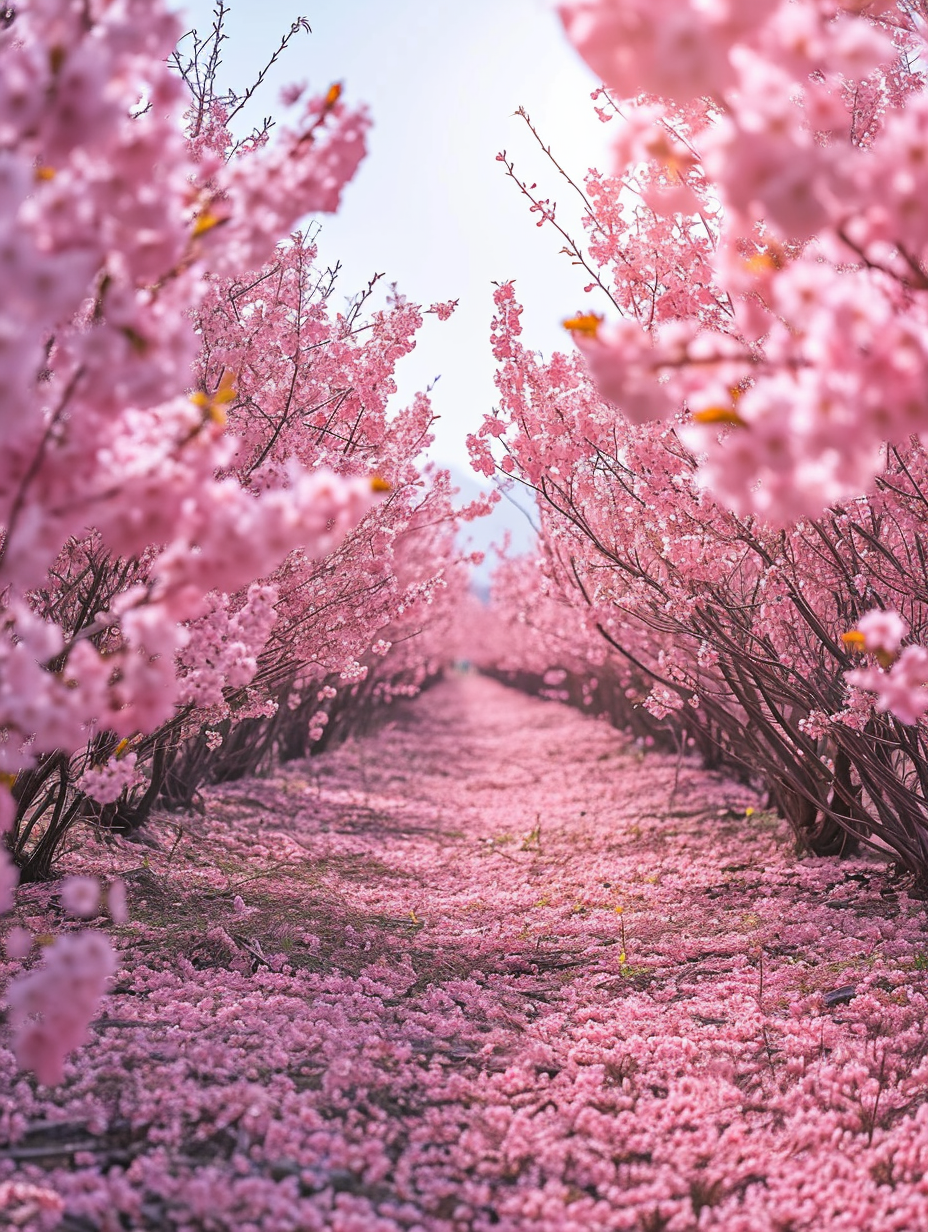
<point x="488" y="968"/>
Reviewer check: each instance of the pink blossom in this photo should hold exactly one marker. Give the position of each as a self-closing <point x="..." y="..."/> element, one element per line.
<point x="776" y="126"/>
<point x="9" y="879"/>
<point x="30" y="1205"/>
<point x="116" y="901"/>
<point x="50" y="1006"/>
<point x="107" y="782"/>
<point x="903" y="689"/>
<point x="443" y="311"/>
<point x="882" y="631"/>
<point x="80" y="896"/>
<point x="18" y="943"/>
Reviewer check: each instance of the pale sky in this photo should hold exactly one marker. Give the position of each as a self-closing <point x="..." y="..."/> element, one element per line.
<point x="431" y="207"/>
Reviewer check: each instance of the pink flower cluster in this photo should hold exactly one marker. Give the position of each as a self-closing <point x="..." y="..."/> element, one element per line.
<point x="9" y="873"/>
<point x="50" y="1007"/>
<point x="223" y="649"/>
<point x="106" y="783"/>
<point x="900" y="681"/>
<point x="764" y="216"/>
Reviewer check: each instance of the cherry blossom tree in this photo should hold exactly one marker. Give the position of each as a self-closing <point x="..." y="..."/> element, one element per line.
<point x="304" y="387"/>
<point x="189" y="443"/>
<point x="728" y="632"/>
<point x="753" y="238"/>
<point x="102" y="267"/>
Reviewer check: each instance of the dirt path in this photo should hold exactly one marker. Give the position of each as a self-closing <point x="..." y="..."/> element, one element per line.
<point x="420" y="1013"/>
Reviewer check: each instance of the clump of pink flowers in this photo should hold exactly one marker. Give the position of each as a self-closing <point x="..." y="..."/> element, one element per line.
<point x="49" y="1008"/>
<point x="784" y="145"/>
<point x="900" y="677"/>
<point x="106" y="783"/>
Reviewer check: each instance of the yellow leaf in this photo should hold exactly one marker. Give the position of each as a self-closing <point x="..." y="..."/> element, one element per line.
<point x="226" y="391"/>
<point x="759" y="264"/>
<point x="334" y="94"/>
<point x="205" y="222"/>
<point x="719" y="415"/>
<point x="773" y="258"/>
<point x="586" y="323"/>
<point x="212" y="404"/>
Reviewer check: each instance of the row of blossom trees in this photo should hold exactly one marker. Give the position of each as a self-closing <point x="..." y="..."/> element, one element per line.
<point x="217" y="545"/>
<point x="707" y="558"/>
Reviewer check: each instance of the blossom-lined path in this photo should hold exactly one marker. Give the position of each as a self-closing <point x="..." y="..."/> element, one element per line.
<point x="386" y="989"/>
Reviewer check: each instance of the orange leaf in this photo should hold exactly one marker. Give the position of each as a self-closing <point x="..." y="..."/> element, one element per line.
<point x="205" y="222"/>
<point x="226" y="391"/>
<point x="586" y="323"/>
<point x="719" y="415"/>
<point x="854" y="640"/>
